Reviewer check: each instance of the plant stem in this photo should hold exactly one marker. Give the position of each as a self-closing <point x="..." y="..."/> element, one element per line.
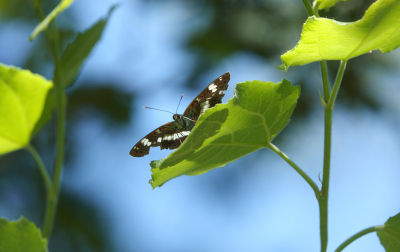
<point x="358" y="235"/>
<point x="61" y="101"/>
<point x="40" y="164"/>
<point x="323" y="200"/>
<point x="296" y="168"/>
<point x="325" y="80"/>
<point x="308" y="7"/>
<point x="315" y="8"/>
<point x="61" y="124"/>
<point x="336" y="86"/>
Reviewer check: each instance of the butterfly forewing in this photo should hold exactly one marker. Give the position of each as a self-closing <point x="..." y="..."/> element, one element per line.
<point x="171" y="135"/>
<point x="210" y="96"/>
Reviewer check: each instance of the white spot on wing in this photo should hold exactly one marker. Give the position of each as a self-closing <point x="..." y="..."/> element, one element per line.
<point x="145" y="142"/>
<point x="175" y="136"/>
<point x="159" y="139"/>
<point x="212" y="87"/>
<point x="185" y="133"/>
<point x="204" y="106"/>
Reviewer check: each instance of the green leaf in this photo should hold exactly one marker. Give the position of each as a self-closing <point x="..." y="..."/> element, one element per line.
<point x="390" y="235"/>
<point x="226" y="132"/>
<point x="76" y="52"/>
<point x="21" y="236"/>
<point x="326" y="39"/>
<point x="45" y="22"/>
<point x="326" y="4"/>
<point x="26" y="104"/>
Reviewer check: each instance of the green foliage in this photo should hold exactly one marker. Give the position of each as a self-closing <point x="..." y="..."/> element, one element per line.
<point x="77" y="51"/>
<point x="326" y="39"/>
<point x="26" y="103"/>
<point x="45" y="22"/>
<point x="21" y="236"/>
<point x="249" y="121"/>
<point x="390" y="235"/>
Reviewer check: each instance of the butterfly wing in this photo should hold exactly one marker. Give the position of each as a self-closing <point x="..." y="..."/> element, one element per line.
<point x="168" y="136"/>
<point x="210" y="96"/>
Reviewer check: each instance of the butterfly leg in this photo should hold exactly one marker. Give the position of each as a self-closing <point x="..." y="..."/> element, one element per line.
<point x="180" y="139"/>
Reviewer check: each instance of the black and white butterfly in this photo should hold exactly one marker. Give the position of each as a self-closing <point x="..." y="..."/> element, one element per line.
<point x="171" y="135"/>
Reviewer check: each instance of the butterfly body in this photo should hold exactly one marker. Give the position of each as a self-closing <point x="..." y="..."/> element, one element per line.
<point x="182" y="122"/>
<point x="171" y="135"/>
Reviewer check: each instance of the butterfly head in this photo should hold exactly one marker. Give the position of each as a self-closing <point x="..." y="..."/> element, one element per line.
<point x="177" y="117"/>
<point x="179" y="120"/>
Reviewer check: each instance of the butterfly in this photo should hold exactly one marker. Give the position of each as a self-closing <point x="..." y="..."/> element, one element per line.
<point x="171" y="135"/>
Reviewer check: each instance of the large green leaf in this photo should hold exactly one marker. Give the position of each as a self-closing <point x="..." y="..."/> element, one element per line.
<point x="248" y="122"/>
<point x="26" y="103"/>
<point x="390" y="235"/>
<point x="21" y="236"/>
<point x="326" y="39"/>
<point x="49" y="18"/>
<point x="77" y="51"/>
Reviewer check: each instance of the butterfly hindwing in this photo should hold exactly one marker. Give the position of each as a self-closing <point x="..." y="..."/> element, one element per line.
<point x="168" y="136"/>
<point x="171" y="135"/>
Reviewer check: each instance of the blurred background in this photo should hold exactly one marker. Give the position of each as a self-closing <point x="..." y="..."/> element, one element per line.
<point x="150" y="53"/>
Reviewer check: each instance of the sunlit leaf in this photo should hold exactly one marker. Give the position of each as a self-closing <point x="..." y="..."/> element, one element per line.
<point x="326" y="39"/>
<point x="26" y="103"/>
<point x="390" y="235"/>
<point x="45" y="22"/>
<point x="77" y="51"/>
<point x="248" y="122"/>
<point x="21" y="236"/>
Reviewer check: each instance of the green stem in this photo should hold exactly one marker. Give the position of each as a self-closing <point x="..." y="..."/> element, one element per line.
<point x="40" y="164"/>
<point x="325" y="80"/>
<point x="308" y="7"/>
<point x="61" y="101"/>
<point x="336" y="86"/>
<point x="323" y="200"/>
<point x="323" y="222"/>
<point x="358" y="235"/>
<point x="61" y="124"/>
<point x="315" y="8"/>
<point x="296" y="168"/>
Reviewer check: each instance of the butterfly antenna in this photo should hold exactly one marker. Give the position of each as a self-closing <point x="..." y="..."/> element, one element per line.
<point x="183" y="115"/>
<point x="158" y="109"/>
<point x="179" y="104"/>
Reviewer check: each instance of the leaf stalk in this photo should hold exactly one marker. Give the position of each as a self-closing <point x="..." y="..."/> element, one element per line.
<point x="358" y="235"/>
<point x="296" y="168"/>
<point x="40" y="164"/>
